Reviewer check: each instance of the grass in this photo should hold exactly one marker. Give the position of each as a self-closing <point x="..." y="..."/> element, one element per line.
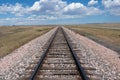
<point x="109" y="25"/>
<point x="13" y="37"/>
<point x="105" y="36"/>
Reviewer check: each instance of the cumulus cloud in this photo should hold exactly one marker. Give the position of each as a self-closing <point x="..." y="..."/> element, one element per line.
<point x="80" y="9"/>
<point x="36" y="6"/>
<point x="56" y="8"/>
<point x="48" y="6"/>
<point x="112" y="6"/>
<point x="92" y="2"/>
<point x="74" y="9"/>
<point x="111" y="3"/>
<point x="45" y="10"/>
<point x="61" y="8"/>
<point x="42" y="10"/>
<point x="16" y="9"/>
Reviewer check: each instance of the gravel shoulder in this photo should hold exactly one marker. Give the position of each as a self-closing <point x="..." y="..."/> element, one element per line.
<point x="106" y="61"/>
<point x="13" y="65"/>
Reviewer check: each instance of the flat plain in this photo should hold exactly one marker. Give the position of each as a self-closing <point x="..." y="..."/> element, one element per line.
<point x="14" y="37"/>
<point x="105" y="34"/>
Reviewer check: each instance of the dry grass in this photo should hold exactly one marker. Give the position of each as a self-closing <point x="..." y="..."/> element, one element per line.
<point x="105" y="36"/>
<point x="109" y="25"/>
<point x="13" y="37"/>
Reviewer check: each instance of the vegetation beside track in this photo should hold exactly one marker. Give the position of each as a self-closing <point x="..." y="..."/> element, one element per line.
<point x="13" y="37"/>
<point x="105" y="34"/>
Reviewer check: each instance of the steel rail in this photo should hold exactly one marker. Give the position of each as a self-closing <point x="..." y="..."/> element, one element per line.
<point x="75" y="57"/>
<point x="42" y="57"/>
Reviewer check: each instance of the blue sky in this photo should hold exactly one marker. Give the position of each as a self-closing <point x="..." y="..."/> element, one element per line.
<point x="38" y="12"/>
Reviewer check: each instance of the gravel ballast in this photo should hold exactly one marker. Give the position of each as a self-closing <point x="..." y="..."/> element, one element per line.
<point x="13" y="65"/>
<point x="106" y="61"/>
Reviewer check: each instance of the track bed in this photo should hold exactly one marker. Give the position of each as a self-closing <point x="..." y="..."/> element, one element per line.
<point x="57" y="64"/>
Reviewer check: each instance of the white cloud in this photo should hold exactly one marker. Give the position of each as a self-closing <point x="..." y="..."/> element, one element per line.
<point x="48" y="6"/>
<point x="42" y="10"/>
<point x="57" y="8"/>
<point x="74" y="9"/>
<point x="92" y="2"/>
<point x="112" y="6"/>
<point x="36" y="6"/>
<point x="80" y="10"/>
<point x="73" y="6"/>
<point x="16" y="9"/>
<point x="94" y="11"/>
<point x="111" y="3"/>
<point x="45" y="10"/>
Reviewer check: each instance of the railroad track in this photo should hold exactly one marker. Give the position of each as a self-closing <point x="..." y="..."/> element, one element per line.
<point x="58" y="62"/>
